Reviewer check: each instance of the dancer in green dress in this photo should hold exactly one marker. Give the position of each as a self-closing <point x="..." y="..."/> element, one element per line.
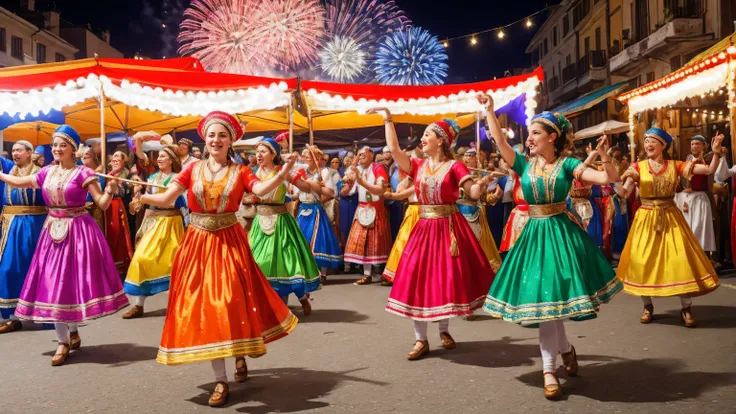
<point x="278" y="245"/>
<point x="554" y="271"/>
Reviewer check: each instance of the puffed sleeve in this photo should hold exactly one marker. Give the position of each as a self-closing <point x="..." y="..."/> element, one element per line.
<point x="685" y="169"/>
<point x="40" y="177"/>
<point x="520" y="163"/>
<point x="249" y="179"/>
<point x="631" y="172"/>
<point x="184" y="178"/>
<point x="416" y="163"/>
<point x="88" y="176"/>
<point x="574" y="167"/>
<point x="460" y="173"/>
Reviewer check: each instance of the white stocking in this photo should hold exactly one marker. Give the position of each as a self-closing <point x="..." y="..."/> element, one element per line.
<point x="367" y="269"/>
<point x="563" y="345"/>
<point x="62" y="332"/>
<point x="140" y="301"/>
<point x="548" y="346"/>
<point x="420" y="330"/>
<point x="73" y="327"/>
<point x="647" y="300"/>
<point x="686" y="301"/>
<point x="218" y="365"/>
<point x="444" y="325"/>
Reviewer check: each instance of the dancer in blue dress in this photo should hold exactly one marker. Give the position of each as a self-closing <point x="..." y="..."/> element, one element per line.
<point x="23" y="215"/>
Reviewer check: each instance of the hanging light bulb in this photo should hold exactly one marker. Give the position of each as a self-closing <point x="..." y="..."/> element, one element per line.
<point x="473" y="41"/>
<point x="501" y="34"/>
<point x="529" y="23"/>
<point x="446" y="44"/>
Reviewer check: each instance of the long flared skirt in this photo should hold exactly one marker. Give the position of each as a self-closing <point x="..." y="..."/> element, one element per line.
<point x="284" y="256"/>
<point x="220" y="304"/>
<point x="118" y="234"/>
<point x="511" y="233"/>
<point x="699" y="217"/>
<point x="669" y="262"/>
<point x="430" y="282"/>
<point x="150" y="270"/>
<point x="370" y="245"/>
<point x="72" y="280"/>
<point x="411" y="217"/>
<point x="17" y="245"/>
<point x="317" y="229"/>
<point x="554" y="271"/>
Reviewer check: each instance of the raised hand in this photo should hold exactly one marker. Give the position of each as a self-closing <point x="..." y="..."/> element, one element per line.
<point x="485" y="100"/>
<point x="716" y="144"/>
<point x="380" y="110"/>
<point x="602" y="147"/>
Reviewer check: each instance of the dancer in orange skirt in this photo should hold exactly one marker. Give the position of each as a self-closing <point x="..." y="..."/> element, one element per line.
<point x="220" y="304"/>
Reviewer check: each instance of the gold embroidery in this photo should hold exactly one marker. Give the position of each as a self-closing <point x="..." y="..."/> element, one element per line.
<point x="547" y="210"/>
<point x="213" y="222"/>
<point x="431" y="181"/>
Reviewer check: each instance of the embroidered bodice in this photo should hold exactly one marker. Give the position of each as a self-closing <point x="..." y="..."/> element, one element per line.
<point x="540" y="187"/>
<point x="64" y="188"/>
<point x="12" y="196"/>
<point x="438" y="185"/>
<point x="218" y="196"/>
<point x="660" y="183"/>
<point x="278" y="194"/>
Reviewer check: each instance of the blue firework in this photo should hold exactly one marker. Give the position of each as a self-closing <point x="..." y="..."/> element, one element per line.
<point x="411" y="57"/>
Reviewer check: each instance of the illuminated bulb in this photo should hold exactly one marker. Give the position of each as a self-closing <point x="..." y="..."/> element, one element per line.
<point x="446" y="44"/>
<point x="528" y="22"/>
<point x="473" y="41"/>
<point x="501" y="34"/>
<point x="163" y="25"/>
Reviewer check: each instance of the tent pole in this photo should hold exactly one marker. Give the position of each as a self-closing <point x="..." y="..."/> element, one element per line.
<point x="477" y="137"/>
<point x="290" y="114"/>
<point x="103" y="138"/>
<point x="310" y="126"/>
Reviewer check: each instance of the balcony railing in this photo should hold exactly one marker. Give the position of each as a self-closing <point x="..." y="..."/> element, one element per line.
<point x="683" y="9"/>
<point x="569" y="72"/>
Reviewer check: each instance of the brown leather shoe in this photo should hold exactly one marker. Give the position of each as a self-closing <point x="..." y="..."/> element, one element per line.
<point x="552" y="391"/>
<point x="306" y="306"/>
<point x="75" y="341"/>
<point x="447" y="341"/>
<point x="570" y="360"/>
<point x="647" y="315"/>
<point x="418" y="353"/>
<point x="366" y="280"/>
<point x="241" y="370"/>
<point x="60" y="358"/>
<point x="134" y="312"/>
<point x="386" y="282"/>
<point x="687" y="318"/>
<point x="219" y="396"/>
<point x="11" y="326"/>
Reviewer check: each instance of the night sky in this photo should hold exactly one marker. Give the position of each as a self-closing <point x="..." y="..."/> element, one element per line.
<point x="136" y="26"/>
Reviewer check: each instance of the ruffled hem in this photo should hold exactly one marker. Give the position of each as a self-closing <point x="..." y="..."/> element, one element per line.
<point x="148" y="288"/>
<point x="576" y="309"/>
<point x="434" y="313"/>
<point x="94" y="309"/>
<point x="285" y="286"/>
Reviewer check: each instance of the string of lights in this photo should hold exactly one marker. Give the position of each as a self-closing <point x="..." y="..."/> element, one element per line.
<point x="499" y="30"/>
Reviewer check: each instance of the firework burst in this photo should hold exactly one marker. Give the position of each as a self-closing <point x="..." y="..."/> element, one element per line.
<point x="411" y="57"/>
<point x="342" y="59"/>
<point x="219" y="33"/>
<point x="364" y="21"/>
<point x="290" y="31"/>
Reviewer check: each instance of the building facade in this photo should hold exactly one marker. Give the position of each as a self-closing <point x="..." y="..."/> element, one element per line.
<point x="591" y="50"/>
<point x="23" y="43"/>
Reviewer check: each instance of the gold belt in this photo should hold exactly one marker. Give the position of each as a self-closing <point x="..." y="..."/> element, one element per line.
<point x="270" y="210"/>
<point x="547" y="210"/>
<point x="25" y="210"/>
<point x="466" y="202"/>
<point x="437" y="211"/>
<point x="658" y="205"/>
<point x="162" y="213"/>
<point x="440" y="211"/>
<point x="212" y="222"/>
<point x="67" y="212"/>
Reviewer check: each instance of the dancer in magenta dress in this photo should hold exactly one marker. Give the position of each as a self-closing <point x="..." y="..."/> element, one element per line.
<point x="434" y="281"/>
<point x="72" y="277"/>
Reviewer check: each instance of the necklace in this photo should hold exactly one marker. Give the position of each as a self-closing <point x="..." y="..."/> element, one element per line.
<point x="433" y="169"/>
<point x="214" y="173"/>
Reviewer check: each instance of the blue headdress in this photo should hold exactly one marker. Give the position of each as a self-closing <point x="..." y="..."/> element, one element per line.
<point x="660" y="135"/>
<point x="557" y="122"/>
<point x="68" y="134"/>
<point x="699" y="138"/>
<point x="272" y="144"/>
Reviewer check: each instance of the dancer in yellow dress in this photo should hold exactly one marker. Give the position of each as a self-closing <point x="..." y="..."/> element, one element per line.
<point x="158" y="238"/>
<point x="662" y="256"/>
<point x="405" y="190"/>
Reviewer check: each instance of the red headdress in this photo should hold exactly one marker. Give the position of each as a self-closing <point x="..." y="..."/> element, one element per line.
<point x="283" y="139"/>
<point x="445" y="129"/>
<point x="223" y="118"/>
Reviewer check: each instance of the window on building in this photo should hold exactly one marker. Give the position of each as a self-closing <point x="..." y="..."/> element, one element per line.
<point x="586" y="46"/>
<point x="545" y="48"/>
<point x="60" y="57"/>
<point x="568" y="60"/>
<point x="675" y="63"/>
<point x="650" y="77"/>
<point x="535" y="56"/>
<point x="565" y="25"/>
<point x="16" y="47"/>
<point x="40" y="53"/>
<point x="554" y="36"/>
<point x="597" y="38"/>
<point x="3" y="40"/>
<point x="580" y="11"/>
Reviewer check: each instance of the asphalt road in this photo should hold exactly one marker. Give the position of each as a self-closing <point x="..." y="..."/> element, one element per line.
<point x="350" y="356"/>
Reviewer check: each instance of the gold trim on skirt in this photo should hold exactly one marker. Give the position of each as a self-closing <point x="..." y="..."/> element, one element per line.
<point x="270" y="210"/>
<point x="547" y="210"/>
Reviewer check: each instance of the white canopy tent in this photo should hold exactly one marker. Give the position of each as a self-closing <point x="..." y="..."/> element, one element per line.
<point x="604" y="128"/>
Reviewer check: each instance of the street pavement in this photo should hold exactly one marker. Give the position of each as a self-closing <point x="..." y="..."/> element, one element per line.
<point x="349" y="356"/>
